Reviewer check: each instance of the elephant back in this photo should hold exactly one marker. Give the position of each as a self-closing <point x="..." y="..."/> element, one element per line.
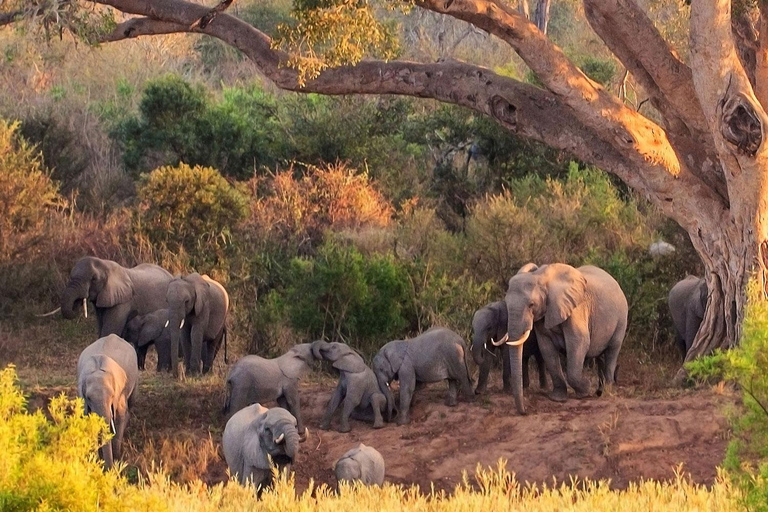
<point x="150" y="284"/>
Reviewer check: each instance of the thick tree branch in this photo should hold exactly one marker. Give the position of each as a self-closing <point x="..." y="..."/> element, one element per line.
<point x="746" y="37"/>
<point x="668" y="80"/>
<point x="6" y="18"/>
<point x="761" y="58"/>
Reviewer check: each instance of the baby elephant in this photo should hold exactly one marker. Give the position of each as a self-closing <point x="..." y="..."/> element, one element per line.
<point x="361" y="464"/>
<point x="357" y="386"/>
<point x="107" y="377"/>
<point x="255" y="379"/>
<point x="143" y="331"/>
<point x="255" y="434"/>
<point x="435" y="355"/>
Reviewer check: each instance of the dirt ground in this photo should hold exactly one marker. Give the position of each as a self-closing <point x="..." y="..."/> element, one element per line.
<point x="642" y="430"/>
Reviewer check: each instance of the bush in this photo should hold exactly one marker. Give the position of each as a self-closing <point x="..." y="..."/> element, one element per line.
<point x="189" y="208"/>
<point x="344" y="296"/>
<point x="599" y="70"/>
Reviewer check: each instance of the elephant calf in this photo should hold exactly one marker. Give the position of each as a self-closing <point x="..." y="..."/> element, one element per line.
<point x="357" y="387"/>
<point x="361" y="464"/>
<point x="255" y="379"/>
<point x="687" y="302"/>
<point x="107" y="377"/>
<point x="489" y="324"/>
<point x="144" y="331"/>
<point x="435" y="355"/>
<point x="254" y="435"/>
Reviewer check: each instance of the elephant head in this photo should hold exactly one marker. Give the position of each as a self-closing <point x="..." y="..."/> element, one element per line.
<point x="276" y="436"/>
<point x="101" y="389"/>
<point x="145" y="329"/>
<point x="488" y="324"/>
<point x="185" y="296"/>
<point x="343" y="357"/>
<point x="386" y="364"/>
<point x="549" y="293"/>
<point x="103" y="282"/>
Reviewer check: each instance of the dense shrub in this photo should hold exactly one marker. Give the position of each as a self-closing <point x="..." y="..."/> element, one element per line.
<point x="344" y="296"/>
<point x="50" y="465"/>
<point x="599" y="70"/>
<point x="193" y="208"/>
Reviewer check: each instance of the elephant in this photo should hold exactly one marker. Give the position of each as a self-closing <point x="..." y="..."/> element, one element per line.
<point x="107" y="379"/>
<point x="117" y="293"/>
<point x="687" y="302"/>
<point x="357" y="388"/>
<point x="202" y="304"/>
<point x="488" y="325"/>
<point x="143" y="331"/>
<point x="253" y="435"/>
<point x="435" y="355"/>
<point x="362" y="464"/>
<point x="580" y="312"/>
<point x="255" y="379"/>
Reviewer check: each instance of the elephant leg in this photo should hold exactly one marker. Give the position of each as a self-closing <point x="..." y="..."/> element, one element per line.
<point x="526" y="375"/>
<point x="163" y="356"/>
<point x="600" y="374"/>
<point x="506" y="370"/>
<point x="611" y="356"/>
<point x="577" y="342"/>
<point x="378" y="403"/>
<point x="333" y="404"/>
<point x="196" y="348"/>
<point x="121" y="421"/>
<point x="141" y="356"/>
<point x="407" y="376"/>
<point x="291" y="395"/>
<point x="453" y="393"/>
<point x="351" y="400"/>
<point x="113" y="320"/>
<point x="551" y="358"/>
<point x="542" y="369"/>
<point x="482" y="379"/>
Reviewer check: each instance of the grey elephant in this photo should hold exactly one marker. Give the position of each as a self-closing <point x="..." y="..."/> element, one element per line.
<point x="435" y="355"/>
<point x="254" y="435"/>
<point x="687" y="303"/>
<point x="255" y="379"/>
<point x="580" y="312"/>
<point x="107" y="378"/>
<point x="358" y="388"/>
<point x="201" y="304"/>
<point x="488" y="325"/>
<point x="143" y="331"/>
<point x="362" y="464"/>
<point x="117" y="293"/>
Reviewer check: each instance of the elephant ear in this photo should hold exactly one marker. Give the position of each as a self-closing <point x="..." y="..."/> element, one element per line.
<point x="201" y="293"/>
<point x="150" y="331"/>
<point x="254" y="451"/>
<point x="395" y="355"/>
<point x="350" y="362"/>
<point x="527" y="268"/>
<point x="118" y="288"/>
<point x="565" y="291"/>
<point x="296" y="367"/>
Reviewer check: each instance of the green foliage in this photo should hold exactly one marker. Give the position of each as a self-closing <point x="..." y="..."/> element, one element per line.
<point x="747" y="457"/>
<point x="190" y="208"/>
<point x="342" y="295"/>
<point x="602" y="71"/>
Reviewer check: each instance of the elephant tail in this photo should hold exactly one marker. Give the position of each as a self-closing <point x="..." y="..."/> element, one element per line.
<point x="226" y="335"/>
<point x="228" y="400"/>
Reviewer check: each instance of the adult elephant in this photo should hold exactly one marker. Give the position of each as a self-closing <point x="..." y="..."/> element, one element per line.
<point x="687" y="302"/>
<point x="143" y="331"/>
<point x="580" y="312"/>
<point x="117" y="293"/>
<point x="202" y="304"/>
<point x="488" y="325"/>
<point x="255" y="439"/>
<point x="435" y="355"/>
<point x="107" y="379"/>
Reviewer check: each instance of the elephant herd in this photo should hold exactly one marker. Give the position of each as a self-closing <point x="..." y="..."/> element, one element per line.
<point x="560" y="315"/>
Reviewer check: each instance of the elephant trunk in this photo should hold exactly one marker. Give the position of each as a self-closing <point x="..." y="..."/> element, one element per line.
<point x="292" y="444"/>
<point x="72" y="299"/>
<point x="516" y="365"/>
<point x="384" y="387"/>
<point x="175" y="324"/>
<point x="317" y="347"/>
<point x="478" y="351"/>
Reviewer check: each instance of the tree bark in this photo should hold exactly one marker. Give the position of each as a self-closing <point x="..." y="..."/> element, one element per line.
<point x="541" y="15"/>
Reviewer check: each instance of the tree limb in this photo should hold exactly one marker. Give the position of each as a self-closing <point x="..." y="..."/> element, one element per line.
<point x="760" y="80"/>
<point x="6" y="18"/>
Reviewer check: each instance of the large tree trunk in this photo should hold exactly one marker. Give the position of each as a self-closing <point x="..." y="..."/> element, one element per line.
<point x="541" y="15"/>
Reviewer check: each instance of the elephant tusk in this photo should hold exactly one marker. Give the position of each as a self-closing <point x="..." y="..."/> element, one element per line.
<point x="85" y="308"/>
<point x="112" y="426"/>
<point x="181" y="325"/>
<point x="520" y="341"/>
<point x="280" y="438"/>
<point x="166" y="323"/>
<point x="501" y="341"/>
<point x="58" y="309"/>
